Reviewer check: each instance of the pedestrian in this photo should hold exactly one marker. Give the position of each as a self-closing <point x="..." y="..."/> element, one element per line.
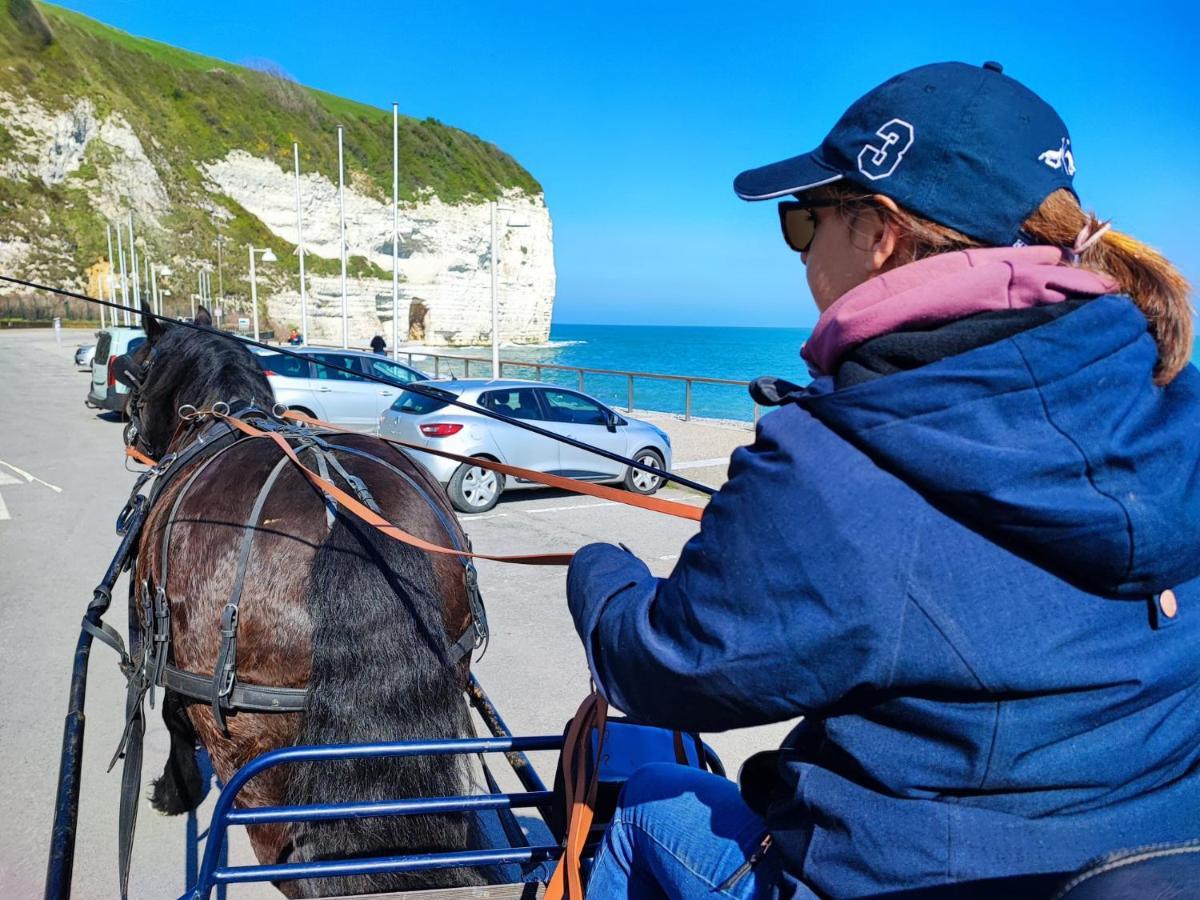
<point x="378" y="344"/>
<point x="964" y="554"/>
<point x="294" y="337"/>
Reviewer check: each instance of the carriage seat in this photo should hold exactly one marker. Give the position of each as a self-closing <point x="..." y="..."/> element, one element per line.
<point x="1159" y="871"/>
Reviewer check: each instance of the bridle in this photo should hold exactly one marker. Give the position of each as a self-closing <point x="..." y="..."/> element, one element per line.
<point x="190" y="418"/>
<point x="134" y="378"/>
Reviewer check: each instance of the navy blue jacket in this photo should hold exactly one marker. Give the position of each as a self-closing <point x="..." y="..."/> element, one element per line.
<point x="953" y="574"/>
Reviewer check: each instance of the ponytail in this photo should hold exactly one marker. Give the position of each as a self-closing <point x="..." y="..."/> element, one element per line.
<point x="1156" y="286"/>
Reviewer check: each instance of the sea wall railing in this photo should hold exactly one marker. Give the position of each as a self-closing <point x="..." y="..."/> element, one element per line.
<point x="461" y="366"/>
<point x="444" y="364"/>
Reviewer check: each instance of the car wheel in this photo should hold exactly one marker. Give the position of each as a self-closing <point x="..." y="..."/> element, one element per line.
<point x="474" y="489"/>
<point x="643" y="482"/>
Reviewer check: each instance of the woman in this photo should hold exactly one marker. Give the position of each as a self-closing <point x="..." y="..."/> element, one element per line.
<point x="965" y="554"/>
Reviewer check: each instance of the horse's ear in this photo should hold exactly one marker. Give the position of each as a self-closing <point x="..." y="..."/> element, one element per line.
<point x="153" y="327"/>
<point x="203" y="317"/>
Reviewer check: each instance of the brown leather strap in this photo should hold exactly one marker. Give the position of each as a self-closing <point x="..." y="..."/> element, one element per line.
<point x="374" y="519"/>
<point x="641" y="501"/>
<point x="135" y="453"/>
<point x="579" y="790"/>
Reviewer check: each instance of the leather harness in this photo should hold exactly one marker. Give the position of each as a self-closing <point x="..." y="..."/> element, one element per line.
<point x="147" y="663"/>
<point x="221" y="689"/>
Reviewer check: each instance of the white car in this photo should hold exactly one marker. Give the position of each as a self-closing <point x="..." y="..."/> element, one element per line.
<point x="337" y="397"/>
<point x="105" y="391"/>
<point x="84" y="354"/>
<point x="429" y="422"/>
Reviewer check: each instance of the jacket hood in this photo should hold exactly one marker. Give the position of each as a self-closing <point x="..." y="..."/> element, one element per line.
<point x="943" y="288"/>
<point x="1054" y="443"/>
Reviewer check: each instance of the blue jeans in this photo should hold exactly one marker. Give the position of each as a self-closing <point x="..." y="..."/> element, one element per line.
<point x="681" y="832"/>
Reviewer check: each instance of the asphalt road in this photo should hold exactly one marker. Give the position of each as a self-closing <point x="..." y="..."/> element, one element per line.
<point x="62" y="482"/>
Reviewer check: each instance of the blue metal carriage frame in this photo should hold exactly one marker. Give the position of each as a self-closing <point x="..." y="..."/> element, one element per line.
<point x="215" y="873"/>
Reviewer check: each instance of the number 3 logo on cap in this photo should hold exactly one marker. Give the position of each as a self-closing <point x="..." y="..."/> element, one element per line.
<point x="880" y="161"/>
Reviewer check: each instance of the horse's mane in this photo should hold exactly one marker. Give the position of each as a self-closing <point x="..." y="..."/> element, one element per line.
<point x="204" y="367"/>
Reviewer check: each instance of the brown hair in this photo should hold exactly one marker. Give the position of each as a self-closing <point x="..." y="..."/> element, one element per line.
<point x="1156" y="286"/>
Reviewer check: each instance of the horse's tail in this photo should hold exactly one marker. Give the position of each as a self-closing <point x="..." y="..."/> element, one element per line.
<point x="380" y="672"/>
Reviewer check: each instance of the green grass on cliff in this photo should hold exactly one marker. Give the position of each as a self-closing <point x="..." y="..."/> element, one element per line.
<point x="199" y="108"/>
<point x="188" y="109"/>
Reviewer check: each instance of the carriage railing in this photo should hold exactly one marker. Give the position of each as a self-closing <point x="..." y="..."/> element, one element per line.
<point x="212" y="873"/>
<point x="215" y="873"/>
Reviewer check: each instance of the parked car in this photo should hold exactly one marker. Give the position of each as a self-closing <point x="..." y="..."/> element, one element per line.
<point x="84" y="354"/>
<point x="105" y="391"/>
<point x="430" y="422"/>
<point x="332" y="395"/>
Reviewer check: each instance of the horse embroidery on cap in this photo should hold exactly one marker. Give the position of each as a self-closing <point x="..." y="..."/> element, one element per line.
<point x="1062" y="158"/>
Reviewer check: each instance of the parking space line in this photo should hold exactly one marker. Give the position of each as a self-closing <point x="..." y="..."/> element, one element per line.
<point x="700" y="463"/>
<point x="8" y="479"/>
<point x="3" y="509"/>
<point x="28" y="477"/>
<point x="546" y="509"/>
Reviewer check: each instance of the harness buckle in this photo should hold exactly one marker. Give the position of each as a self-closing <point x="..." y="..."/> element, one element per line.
<point x="162" y="617"/>
<point x="165" y="463"/>
<point x="126" y="514"/>
<point x="361" y="491"/>
<point x="475" y="598"/>
<point x="229" y="621"/>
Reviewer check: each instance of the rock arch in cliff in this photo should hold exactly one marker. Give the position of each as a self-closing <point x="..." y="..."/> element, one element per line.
<point x="418" y="320"/>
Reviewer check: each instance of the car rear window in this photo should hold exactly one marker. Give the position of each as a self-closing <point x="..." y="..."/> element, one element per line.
<point x="418" y="404"/>
<point x="102" y="346"/>
<point x="287" y="366"/>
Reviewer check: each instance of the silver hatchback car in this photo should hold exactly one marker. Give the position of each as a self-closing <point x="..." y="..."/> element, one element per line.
<point x="330" y="394"/>
<point x="421" y="420"/>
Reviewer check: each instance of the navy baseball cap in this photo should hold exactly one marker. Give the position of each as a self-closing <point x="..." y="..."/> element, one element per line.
<point x="963" y="145"/>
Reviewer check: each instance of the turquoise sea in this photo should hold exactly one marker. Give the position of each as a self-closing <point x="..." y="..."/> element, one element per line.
<point x="711" y="352"/>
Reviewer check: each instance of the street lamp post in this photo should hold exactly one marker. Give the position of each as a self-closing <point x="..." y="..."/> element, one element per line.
<point x="300" y="249"/>
<point x="160" y="292"/>
<point x="513" y="222"/>
<point x="124" y="278"/>
<point x="220" y="278"/>
<point x="133" y="267"/>
<point x="342" y="237"/>
<point x="395" y="231"/>
<point x="267" y="257"/>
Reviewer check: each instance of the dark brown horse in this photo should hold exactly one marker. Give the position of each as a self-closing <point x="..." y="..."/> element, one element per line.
<point x="365" y="622"/>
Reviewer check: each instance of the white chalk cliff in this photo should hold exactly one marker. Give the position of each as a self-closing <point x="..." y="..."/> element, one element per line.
<point x="445" y="283"/>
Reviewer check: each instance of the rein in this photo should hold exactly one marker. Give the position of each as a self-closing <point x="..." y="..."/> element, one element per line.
<point x="373" y="518"/>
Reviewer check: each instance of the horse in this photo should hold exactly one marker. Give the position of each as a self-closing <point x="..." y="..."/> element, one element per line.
<point x="328" y="603"/>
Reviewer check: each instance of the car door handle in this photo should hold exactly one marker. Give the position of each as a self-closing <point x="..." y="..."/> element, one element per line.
<point x="387" y="394"/>
<point x="324" y="390"/>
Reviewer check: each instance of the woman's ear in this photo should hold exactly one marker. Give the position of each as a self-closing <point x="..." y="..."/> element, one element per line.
<point x="885" y="238"/>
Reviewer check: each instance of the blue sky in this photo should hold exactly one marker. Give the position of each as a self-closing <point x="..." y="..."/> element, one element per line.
<point x="636" y="116"/>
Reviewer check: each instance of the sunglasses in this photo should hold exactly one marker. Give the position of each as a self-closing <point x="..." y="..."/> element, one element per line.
<point x="798" y="222"/>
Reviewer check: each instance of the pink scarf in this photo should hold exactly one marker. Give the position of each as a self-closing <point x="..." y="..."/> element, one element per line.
<point x="943" y="288"/>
